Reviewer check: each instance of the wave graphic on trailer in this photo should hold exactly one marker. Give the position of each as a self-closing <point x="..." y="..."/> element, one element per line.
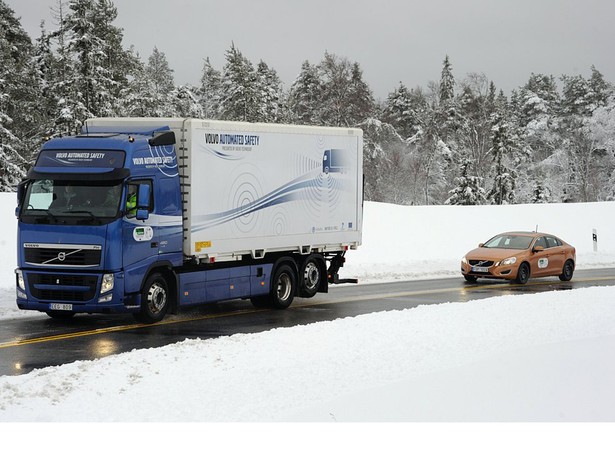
<point x="292" y="191"/>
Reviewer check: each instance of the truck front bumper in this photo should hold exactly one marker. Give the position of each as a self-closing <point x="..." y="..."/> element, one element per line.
<point x="75" y="292"/>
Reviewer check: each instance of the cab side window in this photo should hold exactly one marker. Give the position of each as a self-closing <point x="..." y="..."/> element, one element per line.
<point x="132" y="191"/>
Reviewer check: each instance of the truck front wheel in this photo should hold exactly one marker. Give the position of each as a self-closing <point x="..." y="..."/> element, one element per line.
<point x="155" y="299"/>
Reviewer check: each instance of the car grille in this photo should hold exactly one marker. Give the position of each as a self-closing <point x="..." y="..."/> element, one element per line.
<point x="63" y="255"/>
<point x="480" y="263"/>
<point x="69" y="288"/>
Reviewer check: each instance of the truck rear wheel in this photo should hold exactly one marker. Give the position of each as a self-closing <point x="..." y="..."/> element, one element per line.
<point x="284" y="287"/>
<point x="310" y="277"/>
<point x="155" y="299"/>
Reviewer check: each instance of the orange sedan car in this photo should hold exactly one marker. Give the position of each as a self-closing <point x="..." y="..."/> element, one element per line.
<point x="520" y="256"/>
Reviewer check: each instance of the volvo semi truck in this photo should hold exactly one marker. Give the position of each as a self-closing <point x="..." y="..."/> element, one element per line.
<point x="149" y="215"/>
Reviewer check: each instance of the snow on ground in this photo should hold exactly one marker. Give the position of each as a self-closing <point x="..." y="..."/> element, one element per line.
<point x="535" y="358"/>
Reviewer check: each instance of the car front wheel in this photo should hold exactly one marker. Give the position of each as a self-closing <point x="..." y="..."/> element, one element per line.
<point x="523" y="275"/>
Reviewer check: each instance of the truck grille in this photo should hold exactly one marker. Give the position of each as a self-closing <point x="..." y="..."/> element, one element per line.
<point x="62" y="255"/>
<point x="68" y="288"/>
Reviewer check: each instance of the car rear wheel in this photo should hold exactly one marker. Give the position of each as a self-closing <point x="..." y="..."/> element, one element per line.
<point x="523" y="275"/>
<point x="567" y="271"/>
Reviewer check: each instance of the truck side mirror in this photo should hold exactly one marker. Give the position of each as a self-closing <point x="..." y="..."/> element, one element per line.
<point x="142" y="214"/>
<point x="143" y="197"/>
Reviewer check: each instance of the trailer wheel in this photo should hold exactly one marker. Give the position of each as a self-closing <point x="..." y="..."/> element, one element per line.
<point x="310" y="277"/>
<point x="284" y="287"/>
<point x="155" y="299"/>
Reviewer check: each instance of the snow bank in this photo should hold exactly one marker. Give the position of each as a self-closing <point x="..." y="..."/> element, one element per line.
<point x="540" y="357"/>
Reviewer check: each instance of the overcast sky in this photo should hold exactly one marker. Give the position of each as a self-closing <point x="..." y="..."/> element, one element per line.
<point x="392" y="40"/>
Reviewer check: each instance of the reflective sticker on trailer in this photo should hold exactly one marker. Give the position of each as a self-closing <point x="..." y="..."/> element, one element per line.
<point x="198" y="246"/>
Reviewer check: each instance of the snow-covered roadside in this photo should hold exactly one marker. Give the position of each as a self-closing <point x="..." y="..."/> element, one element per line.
<point x="541" y="357"/>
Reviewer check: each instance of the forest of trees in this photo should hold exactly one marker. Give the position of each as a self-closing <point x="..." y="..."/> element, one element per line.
<point x="457" y="141"/>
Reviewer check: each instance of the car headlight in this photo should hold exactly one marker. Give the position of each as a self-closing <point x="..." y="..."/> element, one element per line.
<point x="20" y="281"/>
<point x="107" y="283"/>
<point x="509" y="261"/>
<point x="464" y="260"/>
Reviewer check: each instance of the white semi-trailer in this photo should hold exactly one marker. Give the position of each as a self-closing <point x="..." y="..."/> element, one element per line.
<point x="171" y="212"/>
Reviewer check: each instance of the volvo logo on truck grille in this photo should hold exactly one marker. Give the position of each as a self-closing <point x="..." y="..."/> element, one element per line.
<point x="62" y="254"/>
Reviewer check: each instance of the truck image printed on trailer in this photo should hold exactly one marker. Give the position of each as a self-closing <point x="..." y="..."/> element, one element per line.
<point x="334" y="160"/>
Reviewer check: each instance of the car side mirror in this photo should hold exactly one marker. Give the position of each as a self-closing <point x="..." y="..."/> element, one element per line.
<point x="538" y="249"/>
<point x="480" y="245"/>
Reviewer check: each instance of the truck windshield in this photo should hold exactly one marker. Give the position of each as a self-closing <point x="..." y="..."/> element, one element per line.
<point x="71" y="201"/>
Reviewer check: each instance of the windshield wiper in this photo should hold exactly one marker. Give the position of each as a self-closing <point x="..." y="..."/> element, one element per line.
<point x="87" y="212"/>
<point x="47" y="212"/>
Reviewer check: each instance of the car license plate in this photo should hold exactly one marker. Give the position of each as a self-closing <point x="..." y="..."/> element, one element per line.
<point x="480" y="269"/>
<point x="61" y="306"/>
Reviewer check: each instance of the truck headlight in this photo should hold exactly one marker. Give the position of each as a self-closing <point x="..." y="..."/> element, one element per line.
<point x="21" y="284"/>
<point x="107" y="283"/>
<point x="509" y="261"/>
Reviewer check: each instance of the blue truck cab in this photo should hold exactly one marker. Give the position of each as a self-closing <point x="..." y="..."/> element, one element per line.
<point x="97" y="214"/>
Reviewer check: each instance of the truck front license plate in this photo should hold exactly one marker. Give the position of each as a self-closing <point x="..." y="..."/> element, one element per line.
<point x="61" y="306"/>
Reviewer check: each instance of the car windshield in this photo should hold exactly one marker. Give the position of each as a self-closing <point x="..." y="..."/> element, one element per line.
<point x="510" y="242"/>
<point x="49" y="200"/>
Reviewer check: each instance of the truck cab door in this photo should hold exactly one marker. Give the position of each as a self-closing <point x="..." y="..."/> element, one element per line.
<point x="140" y="236"/>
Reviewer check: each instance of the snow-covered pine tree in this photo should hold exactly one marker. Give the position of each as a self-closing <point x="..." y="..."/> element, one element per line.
<point x="362" y="105"/>
<point x="210" y="90"/>
<point x="384" y="163"/>
<point x="346" y="100"/>
<point x="20" y="108"/>
<point x="185" y="103"/>
<point x="540" y="193"/>
<point x="399" y="111"/>
<point x="505" y="177"/>
<point x="600" y="89"/>
<point x="269" y="94"/>
<point x="160" y="84"/>
<point x="576" y="96"/>
<point x="305" y="96"/>
<point x="238" y="100"/>
<point x="447" y="82"/>
<point x="469" y="190"/>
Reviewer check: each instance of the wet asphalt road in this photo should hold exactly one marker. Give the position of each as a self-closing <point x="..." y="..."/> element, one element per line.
<point x="38" y="341"/>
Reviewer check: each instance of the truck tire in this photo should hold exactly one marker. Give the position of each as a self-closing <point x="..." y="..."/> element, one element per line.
<point x="283" y="290"/>
<point x="310" y="277"/>
<point x="283" y="287"/>
<point x="155" y="299"/>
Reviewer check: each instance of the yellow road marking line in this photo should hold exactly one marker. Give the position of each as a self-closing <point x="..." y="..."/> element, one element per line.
<point x="355" y="298"/>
